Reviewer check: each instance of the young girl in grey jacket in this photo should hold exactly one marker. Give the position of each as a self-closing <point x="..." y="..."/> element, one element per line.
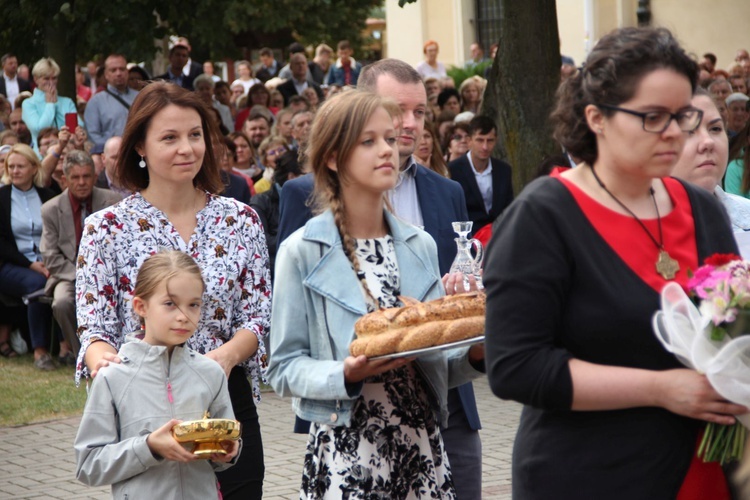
<point x="125" y="435"/>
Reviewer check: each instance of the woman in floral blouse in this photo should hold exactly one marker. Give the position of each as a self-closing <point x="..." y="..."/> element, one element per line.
<point x="165" y="160"/>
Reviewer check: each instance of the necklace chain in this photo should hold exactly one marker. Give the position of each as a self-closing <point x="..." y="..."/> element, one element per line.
<point x="659" y="244"/>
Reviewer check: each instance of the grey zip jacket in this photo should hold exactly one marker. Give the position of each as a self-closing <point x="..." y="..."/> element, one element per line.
<point x="128" y="401"/>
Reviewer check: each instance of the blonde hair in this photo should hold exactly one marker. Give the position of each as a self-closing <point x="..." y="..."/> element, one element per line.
<point x="335" y="133"/>
<point x="46" y="66"/>
<point x="28" y="153"/>
<point x="160" y="268"/>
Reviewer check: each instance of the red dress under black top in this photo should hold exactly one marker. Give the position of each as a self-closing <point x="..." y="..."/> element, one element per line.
<point x="567" y="278"/>
<point x="631" y="243"/>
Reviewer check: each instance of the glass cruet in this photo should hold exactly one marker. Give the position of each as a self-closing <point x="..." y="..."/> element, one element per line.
<point x="466" y="263"/>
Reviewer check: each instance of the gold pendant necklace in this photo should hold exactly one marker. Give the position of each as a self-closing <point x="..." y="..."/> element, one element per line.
<point x="666" y="266"/>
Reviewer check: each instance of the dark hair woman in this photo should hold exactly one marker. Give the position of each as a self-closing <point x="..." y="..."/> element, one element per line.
<point x="573" y="277"/>
<point x="737" y="179"/>
<point x="167" y="159"/>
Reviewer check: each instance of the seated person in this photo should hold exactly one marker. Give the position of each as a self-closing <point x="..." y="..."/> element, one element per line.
<point x="22" y="271"/>
<point x="62" y="221"/>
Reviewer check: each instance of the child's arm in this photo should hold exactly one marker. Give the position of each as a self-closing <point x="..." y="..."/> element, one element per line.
<point x="163" y="444"/>
<point x="102" y="458"/>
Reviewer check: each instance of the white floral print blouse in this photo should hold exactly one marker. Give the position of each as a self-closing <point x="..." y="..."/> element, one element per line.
<point x="229" y="246"/>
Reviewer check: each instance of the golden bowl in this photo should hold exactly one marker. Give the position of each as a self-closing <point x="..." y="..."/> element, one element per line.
<point x="207" y="434"/>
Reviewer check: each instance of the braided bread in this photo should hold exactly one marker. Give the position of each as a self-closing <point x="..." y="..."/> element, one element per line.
<point x="418" y="325"/>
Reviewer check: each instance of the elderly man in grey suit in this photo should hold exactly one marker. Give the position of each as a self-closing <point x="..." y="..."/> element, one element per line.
<point x="62" y="219"/>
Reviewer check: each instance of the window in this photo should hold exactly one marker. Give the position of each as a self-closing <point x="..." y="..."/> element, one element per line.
<point x="488" y="13"/>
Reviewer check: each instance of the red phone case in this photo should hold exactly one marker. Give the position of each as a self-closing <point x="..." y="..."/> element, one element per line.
<point x="71" y="121"/>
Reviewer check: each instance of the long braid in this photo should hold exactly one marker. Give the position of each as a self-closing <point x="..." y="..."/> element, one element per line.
<point x="349" y="245"/>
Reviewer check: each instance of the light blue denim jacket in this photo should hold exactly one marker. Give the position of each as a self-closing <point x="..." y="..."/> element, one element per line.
<point x="317" y="299"/>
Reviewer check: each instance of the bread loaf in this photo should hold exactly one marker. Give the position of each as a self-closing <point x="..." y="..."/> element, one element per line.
<point x="419" y="325"/>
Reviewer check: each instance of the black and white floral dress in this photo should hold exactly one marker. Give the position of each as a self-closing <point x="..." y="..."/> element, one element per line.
<point x="393" y="448"/>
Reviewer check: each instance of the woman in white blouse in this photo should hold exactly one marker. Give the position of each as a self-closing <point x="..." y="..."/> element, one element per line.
<point x="430" y="67"/>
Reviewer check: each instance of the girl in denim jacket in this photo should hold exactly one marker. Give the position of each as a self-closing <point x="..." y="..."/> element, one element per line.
<point x="375" y="424"/>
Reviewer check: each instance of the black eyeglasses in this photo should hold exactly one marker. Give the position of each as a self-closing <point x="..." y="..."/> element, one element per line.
<point x="658" y="121"/>
<point x="459" y="137"/>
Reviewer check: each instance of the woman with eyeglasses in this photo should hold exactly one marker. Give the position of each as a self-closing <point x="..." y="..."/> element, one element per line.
<point x="270" y="150"/>
<point x="573" y="276"/>
<point x="456" y="143"/>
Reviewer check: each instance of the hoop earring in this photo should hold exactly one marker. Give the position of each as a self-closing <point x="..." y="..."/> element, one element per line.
<point x="142" y="163"/>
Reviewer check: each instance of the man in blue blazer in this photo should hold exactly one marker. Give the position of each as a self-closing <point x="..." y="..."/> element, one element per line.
<point x="486" y="181"/>
<point x="424" y="199"/>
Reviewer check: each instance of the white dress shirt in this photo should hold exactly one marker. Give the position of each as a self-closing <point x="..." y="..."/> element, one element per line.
<point x="484" y="181"/>
<point x="403" y="197"/>
<point x="11" y="89"/>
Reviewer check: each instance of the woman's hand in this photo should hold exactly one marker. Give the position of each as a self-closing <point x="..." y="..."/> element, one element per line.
<point x="242" y="346"/>
<point x="162" y="443"/>
<point x="688" y="393"/>
<point x="224" y="357"/>
<point x="80" y="137"/>
<point x="359" y="368"/>
<point x="454" y="283"/>
<point x="98" y="355"/>
<point x="231" y="447"/>
<point x="40" y="268"/>
<point x="50" y="93"/>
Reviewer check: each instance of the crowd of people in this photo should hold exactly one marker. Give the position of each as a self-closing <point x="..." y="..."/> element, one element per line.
<point x="146" y="221"/>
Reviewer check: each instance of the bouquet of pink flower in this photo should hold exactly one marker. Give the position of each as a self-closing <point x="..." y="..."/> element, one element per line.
<point x="713" y="340"/>
<point x="722" y="286"/>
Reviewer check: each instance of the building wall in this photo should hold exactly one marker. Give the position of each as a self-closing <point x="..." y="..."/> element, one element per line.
<point x="719" y="26"/>
<point x="571" y="23"/>
<point x="448" y="22"/>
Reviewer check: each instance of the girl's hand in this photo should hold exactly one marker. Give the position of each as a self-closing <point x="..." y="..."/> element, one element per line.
<point x="232" y="447"/>
<point x="162" y="443"/>
<point x="688" y="393"/>
<point x="476" y="353"/>
<point x="454" y="283"/>
<point x="359" y="368"/>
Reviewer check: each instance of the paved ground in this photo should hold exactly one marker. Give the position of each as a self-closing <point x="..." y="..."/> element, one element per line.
<point x="37" y="460"/>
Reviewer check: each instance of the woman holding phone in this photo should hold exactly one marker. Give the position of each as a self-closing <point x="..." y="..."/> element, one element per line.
<point x="45" y="108"/>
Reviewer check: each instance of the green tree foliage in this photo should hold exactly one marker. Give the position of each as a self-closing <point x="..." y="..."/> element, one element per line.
<point x="76" y="30"/>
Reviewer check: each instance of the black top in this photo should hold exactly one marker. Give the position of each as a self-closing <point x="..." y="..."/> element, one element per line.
<point x="502" y="190"/>
<point x="556" y="290"/>
<point x="266" y="205"/>
<point x="288" y="90"/>
<point x="8" y="248"/>
<point x="235" y="187"/>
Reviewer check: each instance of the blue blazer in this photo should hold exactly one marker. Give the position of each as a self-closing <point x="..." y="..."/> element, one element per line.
<point x="502" y="190"/>
<point x="442" y="202"/>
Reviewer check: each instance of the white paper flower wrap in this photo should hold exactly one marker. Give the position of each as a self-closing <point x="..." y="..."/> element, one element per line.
<point x="686" y="333"/>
